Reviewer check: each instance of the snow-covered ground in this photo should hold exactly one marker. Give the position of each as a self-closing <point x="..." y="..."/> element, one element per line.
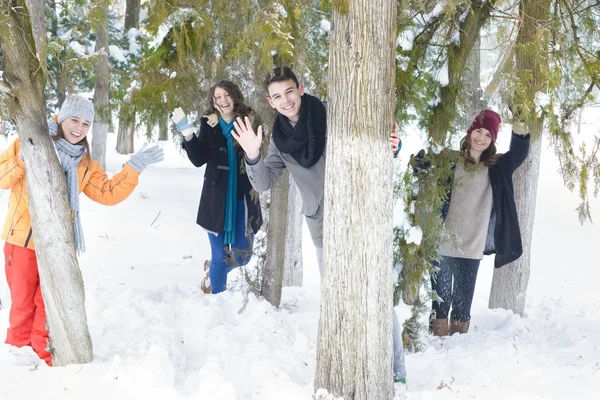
<point x="157" y="336"/>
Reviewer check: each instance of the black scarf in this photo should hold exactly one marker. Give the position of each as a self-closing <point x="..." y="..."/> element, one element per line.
<point x="306" y="141"/>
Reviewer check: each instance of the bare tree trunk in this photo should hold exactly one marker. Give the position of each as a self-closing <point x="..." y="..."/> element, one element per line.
<point x="163" y="128"/>
<point x="292" y="266"/>
<point x="509" y="284"/>
<point x="132" y="14"/>
<point x="60" y="277"/>
<point x="126" y="131"/>
<point x="354" y="349"/>
<point x="272" y="275"/>
<point x="100" y="101"/>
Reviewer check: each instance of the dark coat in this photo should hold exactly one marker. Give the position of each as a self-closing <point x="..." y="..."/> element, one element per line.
<point x="504" y="235"/>
<point x="210" y="148"/>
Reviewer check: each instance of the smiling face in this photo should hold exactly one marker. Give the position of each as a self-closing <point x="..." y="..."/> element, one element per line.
<point x="75" y="129"/>
<point x="224" y="102"/>
<point x="286" y="98"/>
<point x="481" y="139"/>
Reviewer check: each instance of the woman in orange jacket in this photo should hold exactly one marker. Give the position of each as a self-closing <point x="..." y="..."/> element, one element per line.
<point x="69" y="129"/>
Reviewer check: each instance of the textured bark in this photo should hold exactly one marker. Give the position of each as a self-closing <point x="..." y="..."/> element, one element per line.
<point x="292" y="266"/>
<point x="60" y="277"/>
<point x="272" y="276"/>
<point x="354" y="349"/>
<point x="38" y="24"/>
<point x="509" y="284"/>
<point x="100" y="128"/>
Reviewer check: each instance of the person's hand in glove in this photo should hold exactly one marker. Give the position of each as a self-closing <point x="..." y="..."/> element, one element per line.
<point x="146" y="156"/>
<point x="182" y="123"/>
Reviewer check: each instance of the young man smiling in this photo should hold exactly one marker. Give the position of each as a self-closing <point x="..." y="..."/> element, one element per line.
<point x="298" y="143"/>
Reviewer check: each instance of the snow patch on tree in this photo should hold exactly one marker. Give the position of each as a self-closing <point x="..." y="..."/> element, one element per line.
<point x="177" y="18"/>
<point x="134" y="46"/>
<point x="78" y="48"/>
<point x="405" y="40"/>
<point x="116" y="53"/>
<point x="281" y="10"/>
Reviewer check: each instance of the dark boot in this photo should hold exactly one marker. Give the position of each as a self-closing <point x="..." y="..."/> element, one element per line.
<point x="459" y="327"/>
<point x="439" y="327"/>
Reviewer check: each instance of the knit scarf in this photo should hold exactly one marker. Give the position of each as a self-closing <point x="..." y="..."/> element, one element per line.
<point x="232" y="177"/>
<point x="306" y="141"/>
<point x="70" y="156"/>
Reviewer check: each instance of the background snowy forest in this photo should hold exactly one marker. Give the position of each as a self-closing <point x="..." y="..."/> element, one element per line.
<point x="535" y="323"/>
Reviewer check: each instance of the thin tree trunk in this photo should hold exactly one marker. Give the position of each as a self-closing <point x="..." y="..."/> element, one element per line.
<point x="458" y="54"/>
<point x="132" y="14"/>
<point x="472" y="84"/>
<point x="100" y="101"/>
<point x="60" y="277"/>
<point x="272" y="276"/>
<point x="163" y="128"/>
<point x="292" y="266"/>
<point x="126" y="131"/>
<point x="354" y="349"/>
<point x="509" y="284"/>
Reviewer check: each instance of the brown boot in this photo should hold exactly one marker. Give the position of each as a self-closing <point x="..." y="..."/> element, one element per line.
<point x="205" y="284"/>
<point x="459" y="327"/>
<point x="439" y="327"/>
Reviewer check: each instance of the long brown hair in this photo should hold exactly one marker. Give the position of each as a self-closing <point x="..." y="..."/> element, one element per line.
<point x="60" y="134"/>
<point x="488" y="156"/>
<point x="239" y="106"/>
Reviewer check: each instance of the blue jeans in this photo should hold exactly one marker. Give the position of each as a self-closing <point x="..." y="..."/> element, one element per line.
<point x="221" y="262"/>
<point x="458" y="294"/>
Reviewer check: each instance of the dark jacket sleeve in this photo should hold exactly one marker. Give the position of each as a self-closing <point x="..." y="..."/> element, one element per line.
<point x="197" y="147"/>
<point x="514" y="157"/>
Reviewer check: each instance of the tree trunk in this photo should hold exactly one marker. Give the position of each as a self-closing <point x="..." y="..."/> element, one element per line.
<point x="60" y="277"/>
<point x="126" y="131"/>
<point x="472" y="84"/>
<point x="354" y="349"/>
<point x="163" y="128"/>
<point x="38" y="24"/>
<point x="272" y="275"/>
<point x="100" y="101"/>
<point x="458" y="54"/>
<point x="132" y="14"/>
<point x="292" y="266"/>
<point x="509" y="284"/>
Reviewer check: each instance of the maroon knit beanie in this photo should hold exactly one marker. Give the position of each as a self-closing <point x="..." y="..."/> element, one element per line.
<point x="489" y="120"/>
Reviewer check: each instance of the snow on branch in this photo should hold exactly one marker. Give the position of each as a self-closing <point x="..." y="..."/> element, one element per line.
<point x="178" y="18"/>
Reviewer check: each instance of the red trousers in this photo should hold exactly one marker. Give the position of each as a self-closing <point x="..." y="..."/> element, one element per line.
<point x="27" y="316"/>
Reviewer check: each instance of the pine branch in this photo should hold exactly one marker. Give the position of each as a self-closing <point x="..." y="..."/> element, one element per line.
<point x="579" y="103"/>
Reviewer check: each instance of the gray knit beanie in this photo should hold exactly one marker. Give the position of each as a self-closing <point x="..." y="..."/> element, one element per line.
<point x="76" y="106"/>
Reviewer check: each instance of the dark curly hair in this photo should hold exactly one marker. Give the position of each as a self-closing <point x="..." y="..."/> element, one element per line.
<point x="239" y="107"/>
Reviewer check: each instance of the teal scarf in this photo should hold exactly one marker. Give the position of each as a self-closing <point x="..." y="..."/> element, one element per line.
<point x="232" y="177"/>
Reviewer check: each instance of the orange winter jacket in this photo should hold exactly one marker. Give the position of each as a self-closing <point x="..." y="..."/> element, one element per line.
<point x="93" y="181"/>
